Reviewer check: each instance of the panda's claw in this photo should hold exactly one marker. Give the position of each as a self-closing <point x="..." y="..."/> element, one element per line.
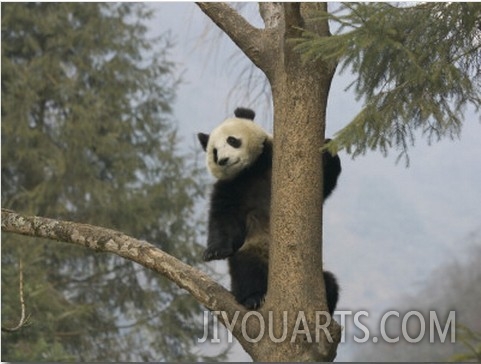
<point x="254" y="302"/>
<point x="215" y="253"/>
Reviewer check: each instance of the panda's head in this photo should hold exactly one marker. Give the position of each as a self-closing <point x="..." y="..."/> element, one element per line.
<point x="234" y="145"/>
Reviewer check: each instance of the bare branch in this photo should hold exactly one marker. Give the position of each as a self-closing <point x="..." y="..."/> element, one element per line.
<point x="248" y="38"/>
<point x="271" y="13"/>
<point x="23" y="317"/>
<point x="200" y="285"/>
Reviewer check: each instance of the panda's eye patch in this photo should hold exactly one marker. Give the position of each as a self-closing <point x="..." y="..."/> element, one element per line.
<point x="234" y="142"/>
<point x="215" y="155"/>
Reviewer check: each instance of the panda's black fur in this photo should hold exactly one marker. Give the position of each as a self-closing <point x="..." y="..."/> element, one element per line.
<point x="244" y="113"/>
<point x="238" y="227"/>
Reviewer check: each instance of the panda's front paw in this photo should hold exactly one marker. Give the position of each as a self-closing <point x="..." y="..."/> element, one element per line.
<point x="214" y="253"/>
<point x="254" y="301"/>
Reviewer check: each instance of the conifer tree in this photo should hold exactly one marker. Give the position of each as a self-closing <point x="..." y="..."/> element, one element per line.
<point x="87" y="135"/>
<point x="417" y="68"/>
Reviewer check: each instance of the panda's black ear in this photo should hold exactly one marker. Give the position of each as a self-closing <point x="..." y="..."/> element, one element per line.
<point x="244" y="113"/>
<point x="203" y="139"/>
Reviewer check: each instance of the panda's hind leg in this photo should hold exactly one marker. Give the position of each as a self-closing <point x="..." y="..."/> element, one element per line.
<point x="332" y="291"/>
<point x="248" y="279"/>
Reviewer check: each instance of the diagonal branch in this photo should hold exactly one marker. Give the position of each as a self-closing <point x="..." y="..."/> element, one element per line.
<point x="200" y="285"/>
<point x="251" y="40"/>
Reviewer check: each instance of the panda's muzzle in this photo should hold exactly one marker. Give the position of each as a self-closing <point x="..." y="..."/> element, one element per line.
<point x="223" y="161"/>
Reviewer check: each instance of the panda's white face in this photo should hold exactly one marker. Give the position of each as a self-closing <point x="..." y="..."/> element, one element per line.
<point x="233" y="146"/>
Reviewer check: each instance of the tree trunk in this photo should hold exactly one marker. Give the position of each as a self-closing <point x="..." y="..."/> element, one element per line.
<point x="295" y="261"/>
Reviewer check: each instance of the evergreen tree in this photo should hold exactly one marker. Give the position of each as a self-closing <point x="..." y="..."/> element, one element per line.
<point x="416" y="67"/>
<point x="87" y="136"/>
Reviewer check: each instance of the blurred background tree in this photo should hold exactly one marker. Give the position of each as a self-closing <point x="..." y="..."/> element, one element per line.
<point x="454" y="286"/>
<point x="87" y="135"/>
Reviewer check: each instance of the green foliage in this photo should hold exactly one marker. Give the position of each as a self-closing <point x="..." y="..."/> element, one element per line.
<point x="472" y="342"/>
<point x="87" y="136"/>
<point x="417" y="68"/>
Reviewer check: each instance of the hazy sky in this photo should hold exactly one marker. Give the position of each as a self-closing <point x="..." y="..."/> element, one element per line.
<point x="386" y="226"/>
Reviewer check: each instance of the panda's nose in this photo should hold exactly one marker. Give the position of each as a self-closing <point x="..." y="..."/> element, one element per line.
<point x="223" y="161"/>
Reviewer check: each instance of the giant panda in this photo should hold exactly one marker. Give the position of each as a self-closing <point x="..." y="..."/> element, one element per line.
<point x="239" y="156"/>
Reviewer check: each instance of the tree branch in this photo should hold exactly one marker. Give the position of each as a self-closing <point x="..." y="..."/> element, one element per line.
<point x="249" y="39"/>
<point x="271" y="13"/>
<point x="23" y="317"/>
<point x="200" y="285"/>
